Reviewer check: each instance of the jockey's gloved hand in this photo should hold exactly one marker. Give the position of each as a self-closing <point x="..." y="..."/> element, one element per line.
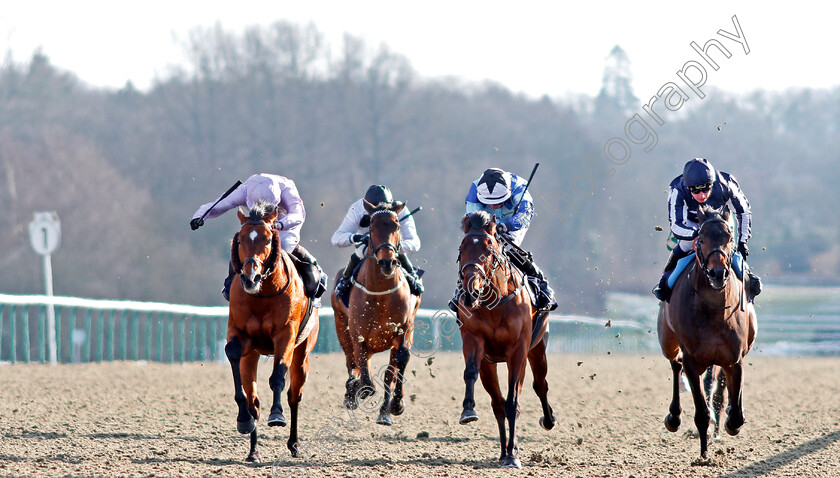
<point x="743" y="249"/>
<point x="196" y="223"/>
<point x="501" y="227"/>
<point x="358" y="238"/>
<point x="280" y="225"/>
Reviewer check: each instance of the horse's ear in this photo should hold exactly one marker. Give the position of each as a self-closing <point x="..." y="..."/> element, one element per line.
<point x="491" y="226"/>
<point x="242" y="217"/>
<point x="397" y="207"/>
<point x="702" y="212"/>
<point x="369" y="206"/>
<point x="493" y="219"/>
<point x="270" y="217"/>
<point x="724" y="212"/>
<point x="465" y="223"/>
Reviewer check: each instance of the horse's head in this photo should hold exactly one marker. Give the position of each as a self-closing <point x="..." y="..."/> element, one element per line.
<point x="715" y="244"/>
<point x="256" y="247"/>
<point x="384" y="243"/>
<point x="479" y="257"/>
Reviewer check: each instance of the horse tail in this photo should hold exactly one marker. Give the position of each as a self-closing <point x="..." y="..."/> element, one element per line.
<point x="234" y="254"/>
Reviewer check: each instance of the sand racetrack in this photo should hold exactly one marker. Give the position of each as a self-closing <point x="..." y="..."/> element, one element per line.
<point x="145" y="420"/>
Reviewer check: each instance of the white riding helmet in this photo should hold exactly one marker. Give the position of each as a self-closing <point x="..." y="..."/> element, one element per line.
<point x="494" y="186"/>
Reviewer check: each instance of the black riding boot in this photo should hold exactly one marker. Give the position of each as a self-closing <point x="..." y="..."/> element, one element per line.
<point x="342" y="286"/>
<point x="753" y="284"/>
<point x="662" y="291"/>
<point x="314" y="279"/>
<point x="228" y="281"/>
<point x="527" y="266"/>
<point x="412" y="275"/>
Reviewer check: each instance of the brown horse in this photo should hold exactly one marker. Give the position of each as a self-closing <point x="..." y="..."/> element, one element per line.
<point x="499" y="324"/>
<point x="379" y="315"/>
<point x="708" y="322"/>
<point x="267" y="317"/>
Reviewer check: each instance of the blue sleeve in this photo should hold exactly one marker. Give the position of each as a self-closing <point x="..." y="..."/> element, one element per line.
<point x="472" y="203"/>
<point x="525" y="212"/>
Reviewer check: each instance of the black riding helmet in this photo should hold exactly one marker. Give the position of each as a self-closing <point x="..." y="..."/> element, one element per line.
<point x="697" y="172"/>
<point x="378" y="194"/>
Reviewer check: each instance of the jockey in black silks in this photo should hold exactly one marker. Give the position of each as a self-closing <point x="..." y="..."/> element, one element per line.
<point x="700" y="184"/>
<point x="505" y="196"/>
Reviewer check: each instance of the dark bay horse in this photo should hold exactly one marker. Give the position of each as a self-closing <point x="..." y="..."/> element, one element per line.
<point x="379" y="315"/>
<point x="708" y="322"/>
<point x="499" y="324"/>
<point x="267" y="317"/>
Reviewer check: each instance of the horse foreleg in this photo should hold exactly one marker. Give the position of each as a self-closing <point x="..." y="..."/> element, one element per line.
<point x="248" y="368"/>
<point x="490" y="381"/>
<point x="672" y="420"/>
<point x="735" y="384"/>
<point x="516" y="376"/>
<point x="539" y="367"/>
<point x="473" y="354"/>
<point x="364" y="387"/>
<point x="244" y="421"/>
<point x="701" y="408"/>
<point x="397" y="403"/>
<point x="277" y="382"/>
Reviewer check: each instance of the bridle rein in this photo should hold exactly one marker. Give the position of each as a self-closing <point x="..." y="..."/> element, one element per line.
<point x="270" y="263"/>
<point x="498" y="259"/>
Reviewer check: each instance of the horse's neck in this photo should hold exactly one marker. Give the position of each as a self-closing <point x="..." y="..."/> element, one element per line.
<point x="283" y="272"/>
<point x="504" y="279"/>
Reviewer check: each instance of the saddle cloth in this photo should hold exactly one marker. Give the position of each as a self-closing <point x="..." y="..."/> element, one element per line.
<point x="737" y="267"/>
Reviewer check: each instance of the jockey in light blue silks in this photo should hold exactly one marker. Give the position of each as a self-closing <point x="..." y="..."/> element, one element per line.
<point x="504" y="195"/>
<point x="700" y="184"/>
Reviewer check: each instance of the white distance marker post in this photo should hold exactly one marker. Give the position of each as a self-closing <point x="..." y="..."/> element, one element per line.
<point x="45" y="235"/>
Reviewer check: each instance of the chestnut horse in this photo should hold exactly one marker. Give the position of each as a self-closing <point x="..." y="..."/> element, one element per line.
<point x="379" y="315"/>
<point x="267" y="317"/>
<point x="708" y="322"/>
<point x="499" y="324"/>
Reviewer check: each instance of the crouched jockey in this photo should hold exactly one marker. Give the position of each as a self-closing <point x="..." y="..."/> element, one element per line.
<point x="504" y="195"/>
<point x="283" y="193"/>
<point x="700" y="184"/>
<point x="355" y="229"/>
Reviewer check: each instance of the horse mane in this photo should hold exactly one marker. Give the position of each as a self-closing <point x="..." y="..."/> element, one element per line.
<point x="707" y="212"/>
<point x="261" y="209"/>
<point x="477" y="220"/>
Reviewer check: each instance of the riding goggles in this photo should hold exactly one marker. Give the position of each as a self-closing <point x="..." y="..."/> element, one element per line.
<point x="700" y="188"/>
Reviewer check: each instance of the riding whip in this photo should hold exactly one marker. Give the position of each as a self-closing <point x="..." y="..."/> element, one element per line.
<point x="226" y="194"/>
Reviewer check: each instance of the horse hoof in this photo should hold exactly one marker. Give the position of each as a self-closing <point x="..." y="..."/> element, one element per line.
<point x="731" y="431"/>
<point x="276" y="420"/>
<point x="350" y="404"/>
<point x="384" y="420"/>
<point x="397" y="407"/>
<point x="253" y="457"/>
<point x="468" y="416"/>
<point x="511" y="462"/>
<point x="246" y="428"/>
<point x="550" y="424"/>
<point x="672" y="423"/>
<point x="293" y="448"/>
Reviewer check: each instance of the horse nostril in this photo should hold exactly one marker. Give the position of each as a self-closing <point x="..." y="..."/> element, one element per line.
<point x="257" y="278"/>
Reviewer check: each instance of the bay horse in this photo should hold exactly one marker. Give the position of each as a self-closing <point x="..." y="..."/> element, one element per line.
<point x="379" y="315"/>
<point x="708" y="322"/>
<point x="268" y="316"/>
<point x="499" y="324"/>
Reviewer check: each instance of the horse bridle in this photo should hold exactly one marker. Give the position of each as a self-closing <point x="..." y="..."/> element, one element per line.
<point x="270" y="270"/>
<point x="495" y="253"/>
<point x="374" y="250"/>
<point x="703" y="260"/>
